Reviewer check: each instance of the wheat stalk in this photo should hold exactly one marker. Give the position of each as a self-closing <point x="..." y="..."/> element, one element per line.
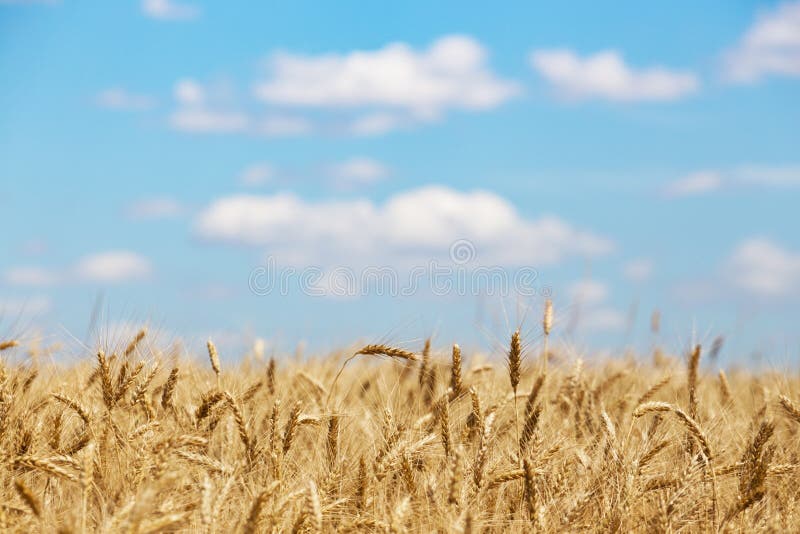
<point x="547" y="326"/>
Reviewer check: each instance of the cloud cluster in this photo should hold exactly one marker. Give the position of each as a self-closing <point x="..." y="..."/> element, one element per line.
<point x="364" y="93"/>
<point x="605" y="75"/>
<point x="373" y="92"/>
<point x="200" y="109"/>
<point x="451" y="74"/>
<point x="771" y="46"/>
<point x="397" y="86"/>
<point x="411" y="226"/>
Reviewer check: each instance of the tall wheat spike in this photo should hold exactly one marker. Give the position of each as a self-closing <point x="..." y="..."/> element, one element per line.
<point x="456" y="385"/>
<point x="694" y="363"/>
<point x="213" y="357"/>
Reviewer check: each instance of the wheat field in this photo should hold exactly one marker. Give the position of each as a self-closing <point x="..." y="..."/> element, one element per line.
<point x="388" y="439"/>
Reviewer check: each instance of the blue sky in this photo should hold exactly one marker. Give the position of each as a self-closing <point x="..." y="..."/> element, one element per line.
<point x="153" y="154"/>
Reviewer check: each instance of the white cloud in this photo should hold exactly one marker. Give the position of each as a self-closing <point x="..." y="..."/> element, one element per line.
<point x="414" y="225"/>
<point x="211" y="291"/>
<point x="189" y="92"/>
<point x="764" y="268"/>
<point x="120" y="99"/>
<point x="283" y="126"/>
<point x="696" y="183"/>
<point x="605" y="75"/>
<point x="154" y="208"/>
<point x="771" y="46"/>
<point x="588" y="292"/>
<point x="30" y="2"/>
<point x="113" y="266"/>
<point x="357" y="172"/>
<point x="709" y="181"/>
<point x="202" y="109"/>
<point x="588" y="299"/>
<point x="34" y="247"/>
<point x="603" y="319"/>
<point x="169" y="10"/>
<point x="15" y="307"/>
<point x="31" y="276"/>
<point x="375" y="124"/>
<point x="200" y="120"/>
<point x="257" y="174"/>
<point x="638" y="270"/>
<point x="451" y="74"/>
<point x="346" y="175"/>
<point x="788" y="176"/>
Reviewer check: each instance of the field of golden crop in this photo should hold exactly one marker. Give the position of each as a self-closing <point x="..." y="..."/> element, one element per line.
<point x="412" y="439"/>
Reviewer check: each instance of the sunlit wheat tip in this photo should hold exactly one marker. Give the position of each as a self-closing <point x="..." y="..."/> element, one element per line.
<point x="547" y="319"/>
